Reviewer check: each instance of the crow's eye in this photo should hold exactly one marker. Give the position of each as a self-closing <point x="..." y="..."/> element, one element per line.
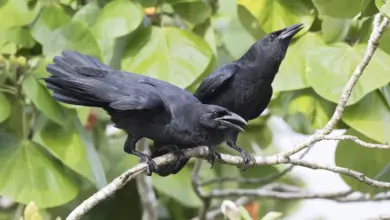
<point x="215" y="114"/>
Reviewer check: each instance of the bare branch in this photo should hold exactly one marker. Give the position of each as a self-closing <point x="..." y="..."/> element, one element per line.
<point x="145" y="189"/>
<point x="356" y="140"/>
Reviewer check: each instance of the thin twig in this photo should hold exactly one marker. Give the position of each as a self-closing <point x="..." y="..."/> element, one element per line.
<point x="356" y="140"/>
<point x="145" y="189"/>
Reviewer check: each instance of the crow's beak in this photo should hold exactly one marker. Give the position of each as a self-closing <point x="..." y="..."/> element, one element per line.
<point x="232" y="121"/>
<point x="290" y="31"/>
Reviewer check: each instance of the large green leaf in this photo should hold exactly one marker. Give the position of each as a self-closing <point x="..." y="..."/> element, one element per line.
<point x="234" y="23"/>
<point x="51" y="18"/>
<point x="277" y="14"/>
<point x="5" y="108"/>
<point x="72" y="146"/>
<point x="291" y="75"/>
<point x="72" y="36"/>
<point x="89" y="13"/>
<point x="334" y="29"/>
<point x="193" y="12"/>
<point x="18" y="13"/>
<point x="255" y="136"/>
<point x="42" y="99"/>
<point x="370" y="116"/>
<point x="27" y="173"/>
<point x="340" y="8"/>
<point x="118" y="18"/>
<point x="18" y="36"/>
<point x="369" y="161"/>
<point x="169" y="54"/>
<point x="330" y="67"/>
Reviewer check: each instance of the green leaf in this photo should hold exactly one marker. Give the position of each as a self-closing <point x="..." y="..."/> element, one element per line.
<point x="18" y="13"/>
<point x="118" y="18"/>
<point x="42" y="99"/>
<point x="72" y="146"/>
<point x="181" y="183"/>
<point x="369" y="161"/>
<point x="89" y="13"/>
<point x="291" y="74"/>
<point x="51" y="18"/>
<point x="18" y="36"/>
<point x="329" y="69"/>
<point x="193" y="12"/>
<point x="170" y="54"/>
<point x="229" y="24"/>
<point x="316" y="110"/>
<point x="334" y="29"/>
<point x="5" y="108"/>
<point x="340" y="8"/>
<point x="384" y="7"/>
<point x="277" y="14"/>
<point x="255" y="136"/>
<point x="27" y="173"/>
<point x="71" y="36"/>
<point x="257" y="172"/>
<point x="370" y="117"/>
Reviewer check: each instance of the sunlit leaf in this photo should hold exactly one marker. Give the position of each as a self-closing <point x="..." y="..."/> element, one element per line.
<point x="330" y="67"/>
<point x="291" y="74"/>
<point x="334" y="29"/>
<point x="27" y="174"/>
<point x="277" y="14"/>
<point x="384" y="7"/>
<point x="89" y="13"/>
<point x="18" y="13"/>
<point x="72" y="146"/>
<point x="42" y="99"/>
<point x="370" y="117"/>
<point x="340" y="8"/>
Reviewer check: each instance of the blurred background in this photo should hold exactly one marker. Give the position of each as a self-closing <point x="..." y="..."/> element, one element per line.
<point x="57" y="155"/>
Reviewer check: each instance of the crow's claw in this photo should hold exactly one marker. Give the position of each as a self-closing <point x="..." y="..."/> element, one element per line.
<point x="212" y="157"/>
<point x="248" y="160"/>
<point x="152" y="166"/>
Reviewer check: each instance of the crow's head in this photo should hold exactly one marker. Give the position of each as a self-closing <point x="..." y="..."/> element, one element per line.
<point x="216" y="117"/>
<point x="274" y="45"/>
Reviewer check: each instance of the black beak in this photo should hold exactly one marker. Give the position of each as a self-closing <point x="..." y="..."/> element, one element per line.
<point x="232" y="121"/>
<point x="290" y="31"/>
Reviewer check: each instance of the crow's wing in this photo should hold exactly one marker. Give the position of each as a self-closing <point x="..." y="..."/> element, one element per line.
<point x="215" y="81"/>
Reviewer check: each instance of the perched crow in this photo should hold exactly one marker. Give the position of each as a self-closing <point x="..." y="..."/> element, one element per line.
<point x="244" y="86"/>
<point x="140" y="105"/>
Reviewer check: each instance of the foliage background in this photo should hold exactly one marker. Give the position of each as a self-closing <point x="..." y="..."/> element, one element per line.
<point x="57" y="155"/>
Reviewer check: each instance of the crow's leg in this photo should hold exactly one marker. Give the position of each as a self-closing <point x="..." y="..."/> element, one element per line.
<point x="246" y="156"/>
<point x="179" y="154"/>
<point x="129" y="148"/>
<point x="213" y="154"/>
